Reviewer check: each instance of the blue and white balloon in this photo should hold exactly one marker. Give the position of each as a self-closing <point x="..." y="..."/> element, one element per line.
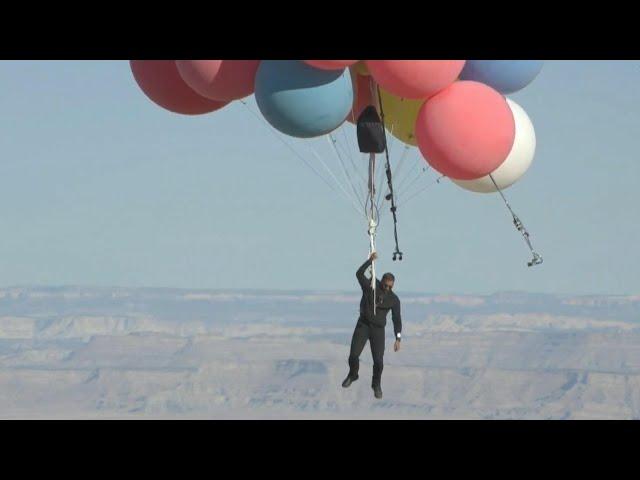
<point x="517" y="163"/>
<point x="300" y="100"/>
<point x="505" y="76"/>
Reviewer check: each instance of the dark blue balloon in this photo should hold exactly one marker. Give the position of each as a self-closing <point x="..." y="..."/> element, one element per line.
<point x="506" y="76"/>
<point x="302" y="101"/>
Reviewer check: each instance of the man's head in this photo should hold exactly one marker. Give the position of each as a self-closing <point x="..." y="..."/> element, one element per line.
<point x="387" y="281"/>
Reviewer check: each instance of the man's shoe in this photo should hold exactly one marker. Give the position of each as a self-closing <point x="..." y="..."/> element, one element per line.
<point x="377" y="392"/>
<point x="348" y="381"/>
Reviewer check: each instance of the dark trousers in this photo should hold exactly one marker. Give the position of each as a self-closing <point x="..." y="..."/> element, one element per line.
<point x="375" y="336"/>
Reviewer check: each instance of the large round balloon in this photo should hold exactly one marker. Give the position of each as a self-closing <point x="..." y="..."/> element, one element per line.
<point x="466" y="131"/>
<point x="415" y="79"/>
<point x="161" y="82"/>
<point x="223" y="80"/>
<point x="400" y="115"/>
<point x="518" y="161"/>
<point x="331" y="64"/>
<point x="362" y="96"/>
<point x="300" y="100"/>
<point x="506" y="76"/>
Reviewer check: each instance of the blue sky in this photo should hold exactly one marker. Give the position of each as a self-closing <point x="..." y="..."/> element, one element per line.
<point x="98" y="186"/>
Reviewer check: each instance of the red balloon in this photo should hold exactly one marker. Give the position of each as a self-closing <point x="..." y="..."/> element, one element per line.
<point x="466" y="131"/>
<point x="161" y="82"/>
<point x="362" y="96"/>
<point x="415" y="79"/>
<point x="331" y="64"/>
<point x="222" y="80"/>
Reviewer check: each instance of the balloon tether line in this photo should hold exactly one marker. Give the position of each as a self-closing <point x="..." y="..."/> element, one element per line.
<point x="373" y="222"/>
<point x="537" y="258"/>
<point x="397" y="254"/>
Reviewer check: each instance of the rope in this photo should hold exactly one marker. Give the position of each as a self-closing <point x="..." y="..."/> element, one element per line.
<point x="382" y="178"/>
<point x="397" y="254"/>
<point x="297" y="154"/>
<point x="356" y="172"/>
<point x="373" y="222"/>
<point x="344" y="191"/>
<point x="358" y="195"/>
<point x="419" y="192"/>
<point x="421" y="174"/>
<point x="400" y="165"/>
<point x="419" y="168"/>
<point x="537" y="258"/>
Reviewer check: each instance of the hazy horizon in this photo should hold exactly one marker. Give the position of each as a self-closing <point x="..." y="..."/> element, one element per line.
<point x="157" y="353"/>
<point x="318" y="290"/>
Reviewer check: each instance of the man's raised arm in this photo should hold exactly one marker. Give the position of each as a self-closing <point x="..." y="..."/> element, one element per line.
<point x="362" y="280"/>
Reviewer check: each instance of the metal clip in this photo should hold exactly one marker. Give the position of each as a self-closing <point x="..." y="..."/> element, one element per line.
<point x="537" y="260"/>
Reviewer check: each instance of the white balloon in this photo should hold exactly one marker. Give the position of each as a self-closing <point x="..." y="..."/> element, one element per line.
<point x="518" y="161"/>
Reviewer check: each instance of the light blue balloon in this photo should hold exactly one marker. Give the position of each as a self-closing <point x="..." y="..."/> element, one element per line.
<point x="506" y="76"/>
<point x="300" y="100"/>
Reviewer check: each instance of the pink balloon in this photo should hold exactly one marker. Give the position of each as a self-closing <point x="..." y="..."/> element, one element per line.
<point x="222" y="80"/>
<point x="466" y="131"/>
<point x="161" y="82"/>
<point x="331" y="64"/>
<point x="415" y="79"/>
<point x="362" y="96"/>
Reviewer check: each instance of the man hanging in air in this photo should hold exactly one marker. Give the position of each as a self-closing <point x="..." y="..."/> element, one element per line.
<point x="371" y="326"/>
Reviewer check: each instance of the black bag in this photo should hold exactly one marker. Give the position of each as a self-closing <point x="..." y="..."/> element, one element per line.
<point x="371" y="136"/>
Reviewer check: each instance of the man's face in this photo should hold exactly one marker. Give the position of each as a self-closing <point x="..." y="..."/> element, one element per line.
<point x="387" y="285"/>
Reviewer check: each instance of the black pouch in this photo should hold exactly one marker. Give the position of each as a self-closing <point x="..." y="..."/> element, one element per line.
<point x="371" y="136"/>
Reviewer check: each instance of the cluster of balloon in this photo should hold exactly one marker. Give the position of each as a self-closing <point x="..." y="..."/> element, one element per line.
<point x="474" y="135"/>
<point x="454" y="111"/>
<point x="195" y="87"/>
